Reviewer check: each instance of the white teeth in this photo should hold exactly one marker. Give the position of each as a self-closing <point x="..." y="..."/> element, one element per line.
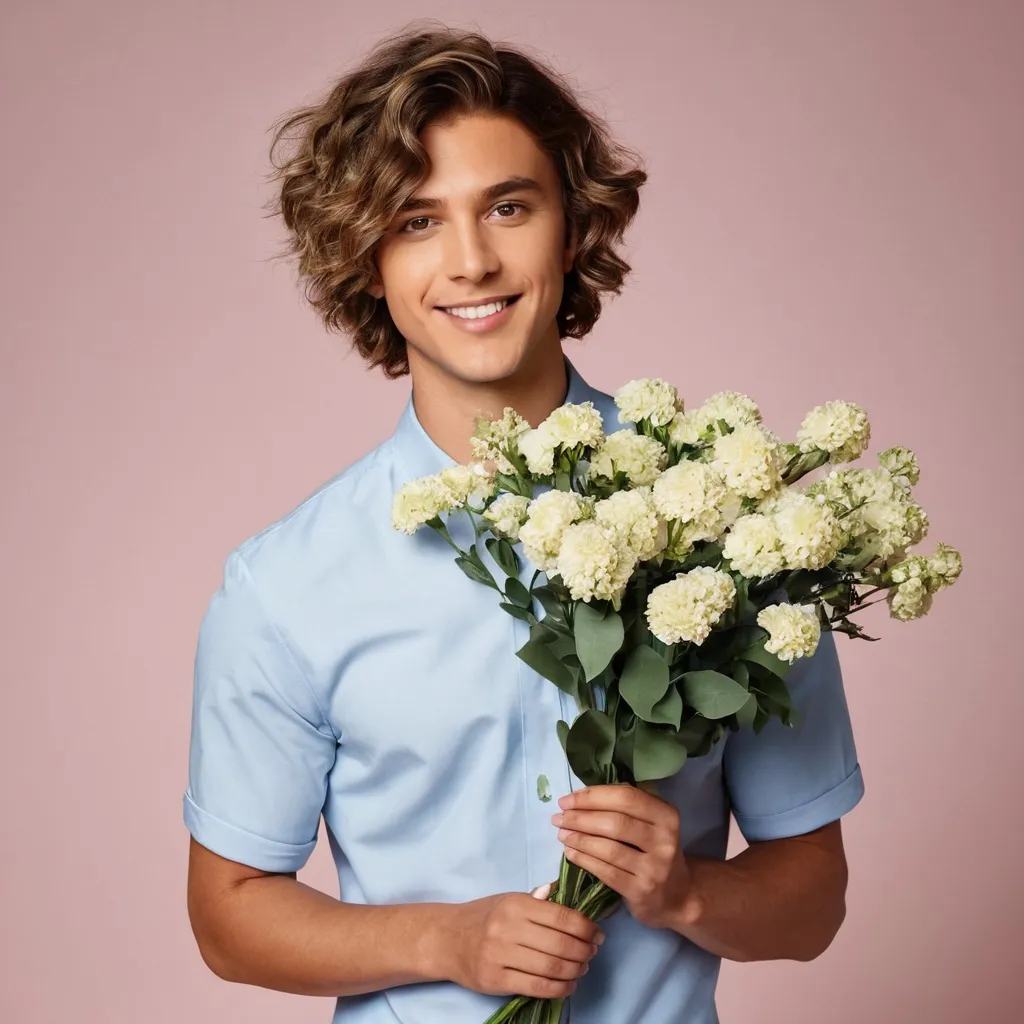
<point x="476" y="312"/>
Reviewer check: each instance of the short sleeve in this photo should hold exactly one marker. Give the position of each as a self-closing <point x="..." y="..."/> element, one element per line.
<point x="786" y="781"/>
<point x="260" y="750"/>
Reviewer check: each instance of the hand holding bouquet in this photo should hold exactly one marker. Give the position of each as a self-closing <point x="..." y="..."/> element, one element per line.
<point x="683" y="570"/>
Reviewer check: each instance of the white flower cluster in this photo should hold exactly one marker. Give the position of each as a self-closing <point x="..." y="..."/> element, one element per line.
<point x="566" y="427"/>
<point x="597" y="555"/>
<point x="754" y="547"/>
<point x="419" y="500"/>
<point x="839" y="428"/>
<point x="548" y="516"/>
<point x="506" y="514"/>
<point x="648" y="398"/>
<point x="493" y="438"/>
<point x="902" y="466"/>
<point x="694" y="496"/>
<point x="749" y="460"/>
<point x="878" y="512"/>
<point x="793" y="630"/>
<point x="732" y="407"/>
<point x="687" y="607"/>
<point x="640" y="457"/>
<point x="918" y="578"/>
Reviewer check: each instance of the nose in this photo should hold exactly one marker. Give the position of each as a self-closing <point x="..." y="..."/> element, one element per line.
<point x="469" y="252"/>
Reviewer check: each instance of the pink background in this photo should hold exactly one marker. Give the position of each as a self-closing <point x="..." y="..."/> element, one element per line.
<point x="835" y="209"/>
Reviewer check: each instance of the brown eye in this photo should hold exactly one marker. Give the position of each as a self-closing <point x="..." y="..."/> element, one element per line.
<point x="514" y="207"/>
<point x="407" y="226"/>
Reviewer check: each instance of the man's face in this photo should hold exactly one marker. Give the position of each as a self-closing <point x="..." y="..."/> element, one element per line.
<point x="440" y="262"/>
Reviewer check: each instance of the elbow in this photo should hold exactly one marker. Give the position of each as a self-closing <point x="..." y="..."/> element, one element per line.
<point x="820" y="938"/>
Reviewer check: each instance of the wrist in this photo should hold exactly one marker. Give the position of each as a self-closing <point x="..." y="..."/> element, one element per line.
<point x="437" y="942"/>
<point x="691" y="908"/>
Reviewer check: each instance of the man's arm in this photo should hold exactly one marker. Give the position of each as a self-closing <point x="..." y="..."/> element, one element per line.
<point x="270" y="930"/>
<point x="778" y="899"/>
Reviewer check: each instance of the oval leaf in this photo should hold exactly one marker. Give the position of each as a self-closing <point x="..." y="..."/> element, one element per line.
<point x="542" y="660"/>
<point x="644" y="681"/>
<point x="598" y="635"/>
<point x="712" y="694"/>
<point x="657" y="753"/>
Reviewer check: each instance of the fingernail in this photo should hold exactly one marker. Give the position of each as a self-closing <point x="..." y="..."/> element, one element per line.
<point x="586" y="967"/>
<point x="600" y="938"/>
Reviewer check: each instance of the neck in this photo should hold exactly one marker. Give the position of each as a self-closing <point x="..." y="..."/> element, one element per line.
<point x="447" y="406"/>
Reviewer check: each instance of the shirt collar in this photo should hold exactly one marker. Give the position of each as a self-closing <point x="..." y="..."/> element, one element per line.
<point x="422" y="456"/>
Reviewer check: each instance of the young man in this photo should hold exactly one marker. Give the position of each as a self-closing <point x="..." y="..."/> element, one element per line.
<point x="455" y="210"/>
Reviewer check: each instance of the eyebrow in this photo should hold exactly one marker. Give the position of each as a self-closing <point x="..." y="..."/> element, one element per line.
<point x="487" y="195"/>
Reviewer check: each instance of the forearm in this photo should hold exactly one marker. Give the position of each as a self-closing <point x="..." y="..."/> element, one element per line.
<point x="278" y="933"/>
<point x="779" y="900"/>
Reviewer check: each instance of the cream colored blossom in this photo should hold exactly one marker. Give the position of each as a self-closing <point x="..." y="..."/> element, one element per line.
<point x="648" y="398"/>
<point x="686" y="428"/>
<point x="537" y="446"/>
<point x="840" y="428"/>
<point x="591" y="562"/>
<point x="754" y="547"/>
<point x="418" y="501"/>
<point x="506" y="514"/>
<point x="909" y="600"/>
<point x="640" y="457"/>
<point x="633" y="518"/>
<point x="902" y="465"/>
<point x="548" y="515"/>
<point x="465" y="482"/>
<point x="688" y="607"/>
<point x="493" y="438"/>
<point x="749" y="460"/>
<point x="570" y="425"/>
<point x="734" y="407"/>
<point x="793" y="630"/>
<point x="809" y="534"/>
<point x="690" y="492"/>
<point x="945" y="565"/>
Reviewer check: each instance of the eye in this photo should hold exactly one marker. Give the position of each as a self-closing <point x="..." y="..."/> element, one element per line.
<point x="515" y="207"/>
<point x="407" y="226"/>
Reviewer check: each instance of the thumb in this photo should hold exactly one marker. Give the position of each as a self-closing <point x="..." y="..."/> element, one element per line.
<point x="542" y="892"/>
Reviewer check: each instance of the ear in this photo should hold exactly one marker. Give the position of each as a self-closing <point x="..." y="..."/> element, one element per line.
<point x="376" y="290"/>
<point x="571" y="247"/>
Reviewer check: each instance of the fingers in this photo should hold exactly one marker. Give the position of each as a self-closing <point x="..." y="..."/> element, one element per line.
<point x="556" y="943"/>
<point x="626" y="799"/>
<point x="536" y="987"/>
<point x="608" y="850"/>
<point x="564" y="919"/>
<point x="542" y="892"/>
<point x="610" y="824"/>
<point x="546" y="965"/>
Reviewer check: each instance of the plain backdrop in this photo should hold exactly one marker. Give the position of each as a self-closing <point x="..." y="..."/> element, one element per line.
<point x="835" y="210"/>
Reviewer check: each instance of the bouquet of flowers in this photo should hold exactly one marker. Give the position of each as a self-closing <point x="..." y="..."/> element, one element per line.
<point x="683" y="571"/>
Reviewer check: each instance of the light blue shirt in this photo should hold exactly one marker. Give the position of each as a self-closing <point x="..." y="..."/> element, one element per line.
<point x="349" y="670"/>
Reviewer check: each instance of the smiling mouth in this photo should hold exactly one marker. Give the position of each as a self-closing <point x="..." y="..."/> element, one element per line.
<point x="480" y="311"/>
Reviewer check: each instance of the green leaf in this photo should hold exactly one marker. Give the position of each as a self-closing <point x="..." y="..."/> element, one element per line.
<point x="589" y="745"/>
<point x="516" y="612"/>
<point x="713" y="694"/>
<point x="595" y="731"/>
<point x="517" y="593"/>
<point x="475" y="572"/>
<point x="657" y="753"/>
<point x="741" y="674"/>
<point x="644" y="681"/>
<point x="542" y="660"/>
<point x="598" y="635"/>
<point x="562" y="729"/>
<point x="550" y="603"/>
<point x="759" y="656"/>
<point x="504" y="554"/>
<point x="773" y="688"/>
<point x="543" y="788"/>
<point x="668" y="710"/>
<point x="747" y="713"/>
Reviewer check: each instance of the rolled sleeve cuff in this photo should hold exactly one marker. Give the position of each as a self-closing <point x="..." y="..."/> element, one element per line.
<point x="806" y="818"/>
<point x="237" y="844"/>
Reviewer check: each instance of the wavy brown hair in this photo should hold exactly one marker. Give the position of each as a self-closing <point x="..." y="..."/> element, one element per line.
<point x="345" y="165"/>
